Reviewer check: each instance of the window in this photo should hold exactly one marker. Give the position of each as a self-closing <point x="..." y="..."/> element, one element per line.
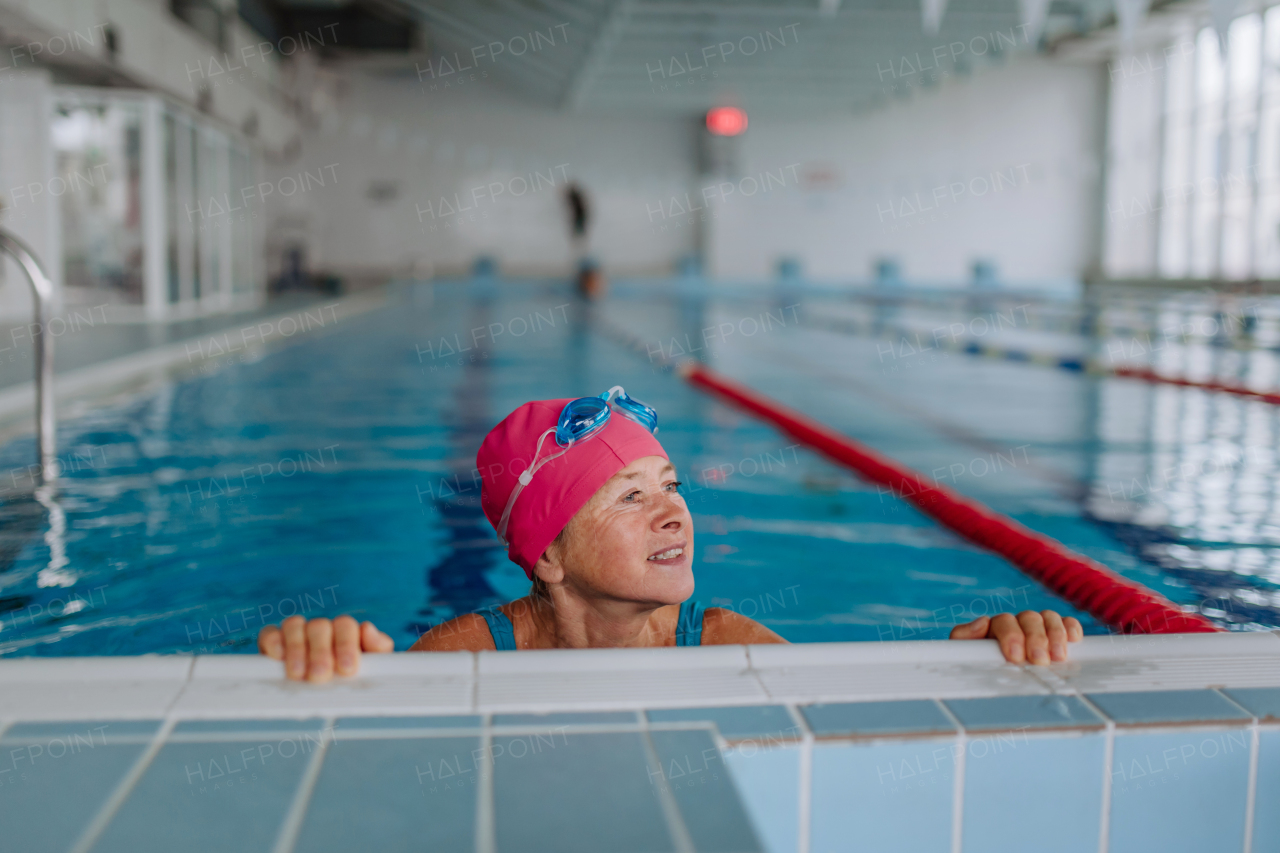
<point x="1194" y="184"/>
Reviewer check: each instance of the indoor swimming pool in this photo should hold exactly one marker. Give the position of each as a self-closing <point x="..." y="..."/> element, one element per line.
<point x="336" y="474"/>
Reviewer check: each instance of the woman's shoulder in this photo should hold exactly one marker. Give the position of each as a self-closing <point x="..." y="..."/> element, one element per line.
<point x="466" y="633"/>
<point x="721" y="627"/>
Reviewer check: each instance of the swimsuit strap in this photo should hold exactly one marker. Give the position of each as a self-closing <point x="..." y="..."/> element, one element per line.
<point x="689" y="626"/>
<point x="504" y="637"/>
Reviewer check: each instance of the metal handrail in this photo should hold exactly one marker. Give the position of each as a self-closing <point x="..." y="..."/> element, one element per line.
<point x="42" y="291"/>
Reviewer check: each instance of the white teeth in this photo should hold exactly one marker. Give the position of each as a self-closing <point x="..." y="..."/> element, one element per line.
<point x="667" y="555"/>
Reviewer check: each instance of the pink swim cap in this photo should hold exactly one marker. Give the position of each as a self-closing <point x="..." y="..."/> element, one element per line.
<point x="559" y="488"/>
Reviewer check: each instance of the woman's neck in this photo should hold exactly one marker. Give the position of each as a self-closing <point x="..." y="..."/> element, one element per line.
<point x="563" y="620"/>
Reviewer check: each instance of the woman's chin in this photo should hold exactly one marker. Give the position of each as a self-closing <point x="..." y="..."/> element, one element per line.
<point x="670" y="584"/>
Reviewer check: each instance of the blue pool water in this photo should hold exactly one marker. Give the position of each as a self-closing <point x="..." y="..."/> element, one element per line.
<point x="336" y="475"/>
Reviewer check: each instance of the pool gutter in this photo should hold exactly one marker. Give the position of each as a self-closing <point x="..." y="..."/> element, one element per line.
<point x="216" y="686"/>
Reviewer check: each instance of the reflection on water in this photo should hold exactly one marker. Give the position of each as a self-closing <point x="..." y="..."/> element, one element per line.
<point x="189" y="530"/>
<point x="456" y="581"/>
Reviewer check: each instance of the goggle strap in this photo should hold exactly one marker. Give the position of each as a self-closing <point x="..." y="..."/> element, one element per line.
<point x="611" y="400"/>
<point x="526" y="477"/>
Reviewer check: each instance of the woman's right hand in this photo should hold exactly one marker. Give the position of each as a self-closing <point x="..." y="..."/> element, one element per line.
<point x="314" y="650"/>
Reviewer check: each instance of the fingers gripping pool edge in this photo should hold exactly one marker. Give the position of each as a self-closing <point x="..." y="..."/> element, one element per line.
<point x="1087" y="584"/>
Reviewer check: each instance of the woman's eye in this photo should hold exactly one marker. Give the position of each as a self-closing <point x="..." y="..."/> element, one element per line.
<point x="675" y="486"/>
<point x="631" y="495"/>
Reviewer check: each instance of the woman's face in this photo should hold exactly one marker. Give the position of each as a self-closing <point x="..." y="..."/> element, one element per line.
<point x="633" y="541"/>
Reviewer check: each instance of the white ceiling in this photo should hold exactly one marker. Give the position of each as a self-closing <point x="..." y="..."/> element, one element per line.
<point x="837" y="55"/>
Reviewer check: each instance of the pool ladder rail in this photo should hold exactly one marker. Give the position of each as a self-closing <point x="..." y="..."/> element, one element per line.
<point x="42" y="291"/>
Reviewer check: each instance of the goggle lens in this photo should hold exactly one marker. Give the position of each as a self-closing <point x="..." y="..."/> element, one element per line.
<point x="581" y="418"/>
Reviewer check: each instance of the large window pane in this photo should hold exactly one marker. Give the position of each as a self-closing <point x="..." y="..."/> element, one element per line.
<point x="173" y="210"/>
<point x="1206" y="164"/>
<point x="1237" y="180"/>
<point x="243" y="275"/>
<point x="212" y="191"/>
<point x="1267" y="219"/>
<point x="1178" y="184"/>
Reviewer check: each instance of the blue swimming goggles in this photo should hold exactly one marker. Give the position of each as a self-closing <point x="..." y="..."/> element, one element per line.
<point x="580" y="420"/>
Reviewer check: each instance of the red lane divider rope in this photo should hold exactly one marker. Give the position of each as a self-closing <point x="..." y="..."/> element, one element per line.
<point x="1085" y="583"/>
<point x="1149" y="375"/>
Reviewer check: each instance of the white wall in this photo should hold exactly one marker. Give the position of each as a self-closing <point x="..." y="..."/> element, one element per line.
<point x="1007" y="163"/>
<point x="159" y="52"/>
<point x="427" y="145"/>
<point x="1003" y="165"/>
<point x="26" y="164"/>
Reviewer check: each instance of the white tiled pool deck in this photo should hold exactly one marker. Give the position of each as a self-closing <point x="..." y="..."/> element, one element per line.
<point x="1162" y="743"/>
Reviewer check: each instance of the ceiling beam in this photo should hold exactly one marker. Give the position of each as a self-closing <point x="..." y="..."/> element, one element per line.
<point x="606" y="35"/>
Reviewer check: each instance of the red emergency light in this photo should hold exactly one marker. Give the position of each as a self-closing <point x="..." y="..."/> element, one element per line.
<point x="726" y="121"/>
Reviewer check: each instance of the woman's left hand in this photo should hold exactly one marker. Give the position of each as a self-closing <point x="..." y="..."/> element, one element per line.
<point x="1029" y="637"/>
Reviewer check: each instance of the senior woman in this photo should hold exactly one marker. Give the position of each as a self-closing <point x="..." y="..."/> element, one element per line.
<point x="587" y="503"/>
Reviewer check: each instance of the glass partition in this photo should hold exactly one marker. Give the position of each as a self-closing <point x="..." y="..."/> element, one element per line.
<point x="203" y="235"/>
<point x="98" y="161"/>
<point x="243" y="267"/>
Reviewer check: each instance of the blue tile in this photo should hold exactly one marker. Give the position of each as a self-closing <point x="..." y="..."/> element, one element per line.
<point x="1046" y="788"/>
<point x="95" y="731"/>
<point x="1262" y="702"/>
<point x="1266" y="817"/>
<point x="380" y="723"/>
<point x="395" y="796"/>
<point x="914" y="716"/>
<point x="311" y="724"/>
<point x="50" y="788"/>
<point x="580" y="718"/>
<point x="1167" y="706"/>
<point x="697" y="778"/>
<point x="737" y="722"/>
<point x="886" y="797"/>
<point x="1180" y="792"/>
<point x="585" y="793"/>
<point x="768" y="781"/>
<point x="1023" y="712"/>
<point x="206" y="797"/>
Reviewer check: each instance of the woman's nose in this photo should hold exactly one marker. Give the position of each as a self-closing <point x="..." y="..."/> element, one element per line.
<point x="670" y="516"/>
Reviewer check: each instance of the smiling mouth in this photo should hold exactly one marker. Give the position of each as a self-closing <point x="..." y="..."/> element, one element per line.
<point x="669" y="554"/>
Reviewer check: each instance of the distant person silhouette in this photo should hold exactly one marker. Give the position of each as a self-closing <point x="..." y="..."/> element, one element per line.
<point x="591" y="282"/>
<point x="579" y="212"/>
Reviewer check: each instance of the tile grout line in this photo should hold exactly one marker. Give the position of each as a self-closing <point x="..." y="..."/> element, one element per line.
<point x="1251" y="789"/>
<point x="475" y="683"/>
<point x="957" y="788"/>
<point x="804" y="829"/>
<point x="805" y="839"/>
<point x="670" y="809"/>
<point x="1251" y="794"/>
<point x="1108" y="759"/>
<point x="291" y="826"/>
<point x="89" y="836"/>
<point x="486" y="816"/>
